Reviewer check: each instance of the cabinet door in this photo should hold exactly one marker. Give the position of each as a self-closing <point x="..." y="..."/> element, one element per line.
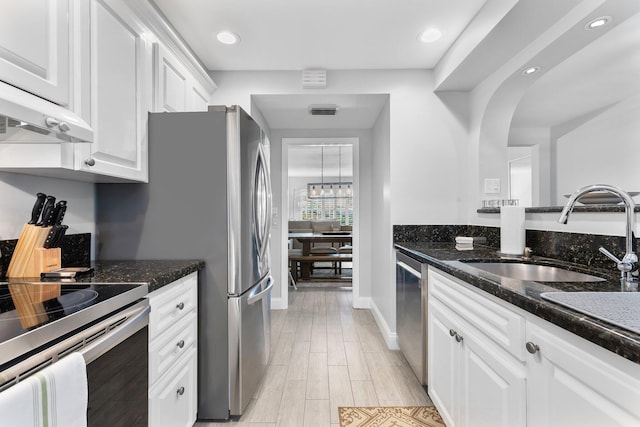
<point x="121" y="86"/>
<point x="34" y="47"/>
<point x="573" y="386"/>
<point x="199" y="99"/>
<point x="443" y="366"/>
<point x="173" y="402"/>
<point x="492" y="384"/>
<point x="170" y="81"/>
<point x="175" y="88"/>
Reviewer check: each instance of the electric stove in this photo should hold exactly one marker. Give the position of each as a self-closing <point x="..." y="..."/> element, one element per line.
<point x="34" y="315"/>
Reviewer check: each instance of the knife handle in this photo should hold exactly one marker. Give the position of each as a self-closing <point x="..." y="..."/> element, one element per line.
<point x="47" y="212"/>
<point x="60" y="232"/>
<point x="37" y="207"/>
<point x="51" y="237"/>
<point x="60" y="210"/>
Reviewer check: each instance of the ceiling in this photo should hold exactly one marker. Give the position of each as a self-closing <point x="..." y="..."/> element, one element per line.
<point x="597" y="76"/>
<point x="317" y="159"/>
<point x="332" y="34"/>
<point x="291" y="111"/>
<point x="382" y="34"/>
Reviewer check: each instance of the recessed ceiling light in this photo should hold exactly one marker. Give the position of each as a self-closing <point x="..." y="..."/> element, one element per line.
<point x="429" y="36"/>
<point x="530" y="70"/>
<point x="227" y="37"/>
<point x="598" y="22"/>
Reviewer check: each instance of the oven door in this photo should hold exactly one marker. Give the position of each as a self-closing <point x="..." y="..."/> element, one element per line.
<point x="118" y="374"/>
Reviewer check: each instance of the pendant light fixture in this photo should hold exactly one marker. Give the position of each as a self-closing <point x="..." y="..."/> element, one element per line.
<point x="327" y="190"/>
<point x="322" y="171"/>
<point x="339" y="194"/>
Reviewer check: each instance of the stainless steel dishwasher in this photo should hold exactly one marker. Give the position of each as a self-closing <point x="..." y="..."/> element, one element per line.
<point x="411" y="313"/>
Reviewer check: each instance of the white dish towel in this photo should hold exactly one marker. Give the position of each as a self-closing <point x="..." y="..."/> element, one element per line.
<point x="55" y="397"/>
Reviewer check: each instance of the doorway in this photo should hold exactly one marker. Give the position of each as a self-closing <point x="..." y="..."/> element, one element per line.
<point x="321" y="189"/>
<point x="520" y="182"/>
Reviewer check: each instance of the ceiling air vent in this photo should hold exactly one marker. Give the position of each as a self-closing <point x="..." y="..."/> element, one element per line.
<point x="323" y="110"/>
<point x="314" y="79"/>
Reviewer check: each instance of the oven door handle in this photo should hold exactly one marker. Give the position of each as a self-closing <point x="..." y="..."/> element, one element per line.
<point x="109" y="341"/>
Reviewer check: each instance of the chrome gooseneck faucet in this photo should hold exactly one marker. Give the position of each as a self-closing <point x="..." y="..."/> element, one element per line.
<point x="628" y="266"/>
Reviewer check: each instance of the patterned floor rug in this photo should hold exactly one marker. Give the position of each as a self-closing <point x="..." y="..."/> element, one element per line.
<point x="392" y="416"/>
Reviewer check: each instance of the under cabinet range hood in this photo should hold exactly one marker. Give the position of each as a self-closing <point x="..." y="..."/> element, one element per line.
<point x="25" y="118"/>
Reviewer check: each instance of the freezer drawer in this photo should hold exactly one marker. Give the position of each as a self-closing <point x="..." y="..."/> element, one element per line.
<point x="411" y="315"/>
<point x="249" y="343"/>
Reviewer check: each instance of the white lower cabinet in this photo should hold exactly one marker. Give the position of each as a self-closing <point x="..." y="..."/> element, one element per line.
<point x="493" y="364"/>
<point x="173" y="336"/>
<point x="472" y="381"/>
<point x="571" y="383"/>
<point x="173" y="402"/>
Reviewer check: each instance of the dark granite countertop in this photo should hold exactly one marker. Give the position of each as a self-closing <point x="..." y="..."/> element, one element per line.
<point x="526" y="294"/>
<point x="558" y="209"/>
<point x="155" y="273"/>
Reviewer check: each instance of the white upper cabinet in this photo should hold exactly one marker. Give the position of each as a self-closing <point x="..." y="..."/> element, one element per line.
<point x="34" y="47"/>
<point x="40" y="81"/>
<point x="175" y="88"/>
<point x="120" y="64"/>
<point x="90" y="65"/>
<point x="198" y="97"/>
<point x="170" y="79"/>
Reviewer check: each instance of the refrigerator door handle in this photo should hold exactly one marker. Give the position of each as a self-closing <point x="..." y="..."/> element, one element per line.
<point x="257" y="297"/>
<point x="262" y="205"/>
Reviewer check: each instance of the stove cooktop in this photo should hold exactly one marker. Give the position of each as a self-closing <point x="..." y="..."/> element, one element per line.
<point x="33" y="314"/>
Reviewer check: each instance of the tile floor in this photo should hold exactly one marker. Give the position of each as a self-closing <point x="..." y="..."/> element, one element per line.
<point x="326" y="354"/>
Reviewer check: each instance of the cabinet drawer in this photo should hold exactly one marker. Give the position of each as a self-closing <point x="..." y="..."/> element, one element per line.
<point x="168" y="348"/>
<point x="172" y="303"/>
<point x="501" y="325"/>
<point x="172" y="402"/>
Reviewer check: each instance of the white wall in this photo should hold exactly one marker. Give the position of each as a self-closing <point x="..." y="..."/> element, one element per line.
<point x="426" y="158"/>
<point x="18" y="193"/>
<point x="543" y="171"/>
<point x="491" y="108"/>
<point x="604" y="150"/>
<point x="425" y="134"/>
<point x="383" y="290"/>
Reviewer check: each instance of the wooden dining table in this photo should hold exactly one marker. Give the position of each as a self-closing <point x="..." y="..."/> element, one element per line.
<point x="308" y="239"/>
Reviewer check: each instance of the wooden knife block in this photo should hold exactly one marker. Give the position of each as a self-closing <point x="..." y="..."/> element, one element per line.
<point x="43" y="260"/>
<point x="30" y="258"/>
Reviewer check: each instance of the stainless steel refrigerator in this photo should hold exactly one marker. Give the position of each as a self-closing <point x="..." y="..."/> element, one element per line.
<point x="208" y="197"/>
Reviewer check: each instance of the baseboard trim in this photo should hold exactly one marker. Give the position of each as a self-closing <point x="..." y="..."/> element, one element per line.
<point x="362" y="302"/>
<point x="390" y="338"/>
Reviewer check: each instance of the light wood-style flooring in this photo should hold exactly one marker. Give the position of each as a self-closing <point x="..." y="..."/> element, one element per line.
<point x="326" y="354"/>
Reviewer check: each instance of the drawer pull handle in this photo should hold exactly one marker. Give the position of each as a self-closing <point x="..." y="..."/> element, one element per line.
<point x="180" y="344"/>
<point x="90" y="162"/>
<point x="455" y="334"/>
<point x="532" y="348"/>
<point x="180" y="306"/>
<point x="180" y="391"/>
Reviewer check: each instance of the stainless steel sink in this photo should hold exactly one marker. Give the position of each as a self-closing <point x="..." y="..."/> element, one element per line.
<point x="533" y="272"/>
